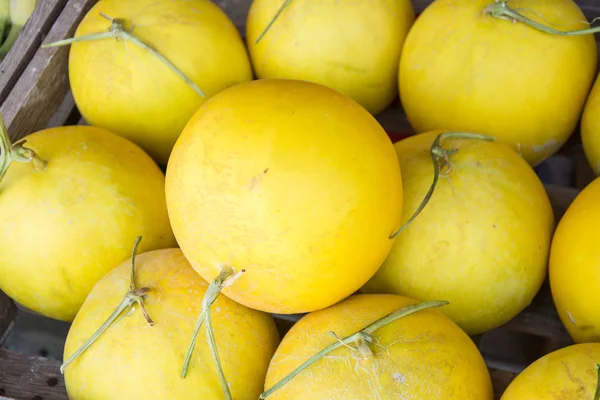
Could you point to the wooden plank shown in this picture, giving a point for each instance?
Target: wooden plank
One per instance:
(44, 84)
(500, 380)
(30, 378)
(237, 10)
(27, 43)
(7, 314)
(541, 322)
(66, 113)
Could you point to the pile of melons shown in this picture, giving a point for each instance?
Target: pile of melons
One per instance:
(223, 179)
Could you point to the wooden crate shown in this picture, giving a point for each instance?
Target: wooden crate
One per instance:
(34, 94)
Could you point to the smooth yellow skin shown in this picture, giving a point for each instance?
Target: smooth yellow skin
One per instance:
(462, 70)
(590, 128)
(575, 266)
(424, 356)
(132, 360)
(126, 89)
(291, 181)
(481, 242)
(351, 46)
(64, 227)
(564, 374)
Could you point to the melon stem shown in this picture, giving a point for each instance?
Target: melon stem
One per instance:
(440, 158)
(500, 9)
(597, 395)
(117, 31)
(362, 337)
(226, 278)
(134, 296)
(285, 4)
(16, 152)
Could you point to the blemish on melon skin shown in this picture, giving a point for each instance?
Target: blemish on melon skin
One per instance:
(256, 180)
(398, 377)
(550, 144)
(571, 318)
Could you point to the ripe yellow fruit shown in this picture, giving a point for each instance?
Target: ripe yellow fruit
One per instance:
(567, 373)
(132, 360)
(590, 128)
(422, 356)
(574, 261)
(126, 89)
(351, 46)
(66, 226)
(481, 242)
(464, 70)
(292, 181)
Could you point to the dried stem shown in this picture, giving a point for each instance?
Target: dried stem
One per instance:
(597, 394)
(226, 278)
(439, 155)
(117, 31)
(285, 4)
(500, 9)
(16, 152)
(132, 297)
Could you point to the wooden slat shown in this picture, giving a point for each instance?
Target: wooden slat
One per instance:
(27, 43)
(7, 313)
(44, 84)
(541, 319)
(65, 114)
(30, 378)
(501, 379)
(237, 10)
(561, 198)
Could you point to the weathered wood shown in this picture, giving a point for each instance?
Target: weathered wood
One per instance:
(44, 84)
(7, 313)
(27, 43)
(237, 10)
(561, 198)
(30, 378)
(541, 319)
(500, 380)
(65, 114)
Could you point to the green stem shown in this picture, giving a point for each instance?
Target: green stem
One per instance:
(15, 152)
(212, 344)
(5, 149)
(438, 153)
(226, 278)
(597, 395)
(285, 4)
(132, 297)
(132, 269)
(364, 335)
(117, 30)
(500, 9)
(125, 304)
